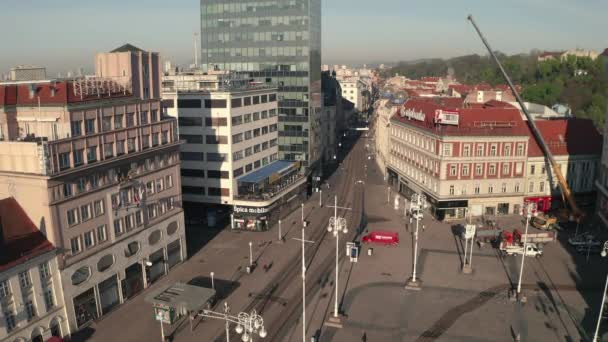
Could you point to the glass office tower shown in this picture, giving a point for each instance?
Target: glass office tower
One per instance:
(273, 41)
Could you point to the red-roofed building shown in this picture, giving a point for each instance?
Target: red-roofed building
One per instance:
(485, 159)
(547, 55)
(464, 160)
(576, 146)
(31, 296)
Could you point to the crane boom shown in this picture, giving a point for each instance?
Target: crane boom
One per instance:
(563, 184)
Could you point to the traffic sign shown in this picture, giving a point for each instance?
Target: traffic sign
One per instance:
(469, 232)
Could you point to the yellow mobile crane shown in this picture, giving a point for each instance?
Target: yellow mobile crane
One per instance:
(576, 213)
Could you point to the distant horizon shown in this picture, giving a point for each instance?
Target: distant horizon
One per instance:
(66, 35)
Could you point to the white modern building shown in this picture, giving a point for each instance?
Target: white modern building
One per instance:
(230, 129)
(31, 297)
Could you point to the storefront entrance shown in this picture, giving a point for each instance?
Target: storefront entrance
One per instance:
(133, 282)
(85, 307)
(503, 208)
(108, 294)
(174, 253)
(157, 269)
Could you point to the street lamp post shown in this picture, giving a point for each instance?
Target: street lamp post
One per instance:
(599, 319)
(530, 209)
(302, 212)
(248, 324)
(280, 234)
(336, 226)
(250, 254)
(417, 205)
(212, 282)
(304, 241)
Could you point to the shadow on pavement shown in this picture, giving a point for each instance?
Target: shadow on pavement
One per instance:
(223, 287)
(82, 335)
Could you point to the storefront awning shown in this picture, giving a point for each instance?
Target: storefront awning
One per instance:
(266, 172)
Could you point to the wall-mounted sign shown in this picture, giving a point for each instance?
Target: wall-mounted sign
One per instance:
(445, 117)
(412, 114)
(251, 210)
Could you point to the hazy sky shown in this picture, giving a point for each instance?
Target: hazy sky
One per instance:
(65, 34)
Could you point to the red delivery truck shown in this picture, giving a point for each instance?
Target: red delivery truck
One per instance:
(381, 238)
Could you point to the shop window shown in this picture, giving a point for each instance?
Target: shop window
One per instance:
(81, 275)
(155, 237)
(105, 262)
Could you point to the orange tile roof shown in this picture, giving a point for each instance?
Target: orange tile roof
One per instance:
(21, 239)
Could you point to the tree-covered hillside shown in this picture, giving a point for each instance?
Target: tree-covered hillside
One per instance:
(580, 83)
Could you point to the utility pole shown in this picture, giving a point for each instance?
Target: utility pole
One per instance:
(304, 242)
(530, 209)
(417, 205)
(336, 226)
(599, 319)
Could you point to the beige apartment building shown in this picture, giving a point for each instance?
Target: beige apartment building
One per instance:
(230, 156)
(96, 168)
(31, 296)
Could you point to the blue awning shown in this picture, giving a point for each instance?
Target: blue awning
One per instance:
(259, 175)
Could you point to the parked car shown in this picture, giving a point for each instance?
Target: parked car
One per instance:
(531, 250)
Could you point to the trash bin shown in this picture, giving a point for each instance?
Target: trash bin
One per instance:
(370, 251)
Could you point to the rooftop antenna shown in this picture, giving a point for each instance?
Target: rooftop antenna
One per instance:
(195, 50)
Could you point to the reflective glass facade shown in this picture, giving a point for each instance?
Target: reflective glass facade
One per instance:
(274, 41)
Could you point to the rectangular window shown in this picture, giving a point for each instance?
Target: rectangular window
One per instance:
(129, 224)
(447, 150)
(238, 155)
(256, 100)
(516, 187)
(491, 189)
(64, 161)
(192, 139)
(92, 154)
(216, 103)
(108, 150)
(479, 152)
(541, 187)
(477, 189)
(150, 187)
(49, 299)
(543, 170)
(216, 122)
(78, 157)
(453, 170)
(520, 150)
(118, 227)
(257, 148)
(492, 169)
(532, 169)
(89, 126)
(247, 101)
(75, 245)
(451, 189)
(118, 121)
(45, 270)
(131, 145)
(139, 218)
(164, 137)
(72, 217)
(247, 118)
(168, 181)
(120, 147)
(194, 156)
(237, 138)
(189, 103)
(30, 310)
(143, 117)
(506, 169)
(478, 170)
(216, 157)
(264, 98)
(88, 239)
(256, 132)
(106, 124)
(507, 150)
(145, 141)
(130, 119)
(493, 150)
(154, 115)
(248, 135)
(85, 212)
(154, 139)
(216, 174)
(9, 318)
(465, 170)
(256, 116)
(531, 187)
(190, 121)
(193, 190)
(237, 172)
(24, 280)
(5, 289)
(236, 103)
(237, 120)
(264, 114)
(272, 97)
(102, 234)
(504, 187)
(76, 128)
(466, 151)
(216, 139)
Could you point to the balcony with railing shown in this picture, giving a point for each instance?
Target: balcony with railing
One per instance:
(270, 181)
